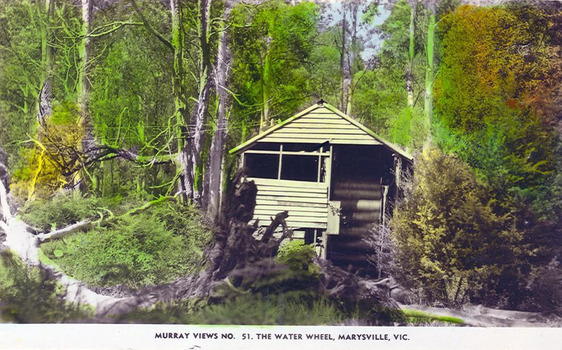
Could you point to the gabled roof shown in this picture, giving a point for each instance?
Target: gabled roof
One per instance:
(319, 123)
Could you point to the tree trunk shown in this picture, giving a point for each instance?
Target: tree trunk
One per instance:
(200, 117)
(351, 56)
(214, 173)
(83, 85)
(345, 73)
(47, 58)
(185, 182)
(265, 89)
(429, 75)
(180, 118)
(411, 55)
(266, 80)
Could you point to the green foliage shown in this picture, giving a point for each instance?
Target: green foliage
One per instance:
(130, 94)
(130, 102)
(250, 309)
(492, 95)
(61, 211)
(272, 295)
(31, 295)
(171, 312)
(153, 247)
(294, 272)
(450, 243)
(380, 98)
(272, 310)
(65, 114)
(55, 152)
(20, 81)
(26, 33)
(495, 108)
(420, 317)
(485, 91)
(263, 309)
(271, 44)
(297, 274)
(325, 72)
(298, 256)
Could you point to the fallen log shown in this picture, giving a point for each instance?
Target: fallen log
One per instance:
(77, 227)
(87, 224)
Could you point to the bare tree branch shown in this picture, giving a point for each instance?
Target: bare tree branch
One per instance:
(150, 28)
(101, 31)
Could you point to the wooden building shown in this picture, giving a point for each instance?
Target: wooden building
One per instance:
(335, 177)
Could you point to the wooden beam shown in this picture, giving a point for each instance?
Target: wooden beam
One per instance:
(329, 171)
(296, 199)
(291, 153)
(317, 129)
(292, 190)
(294, 224)
(319, 167)
(335, 141)
(297, 209)
(288, 183)
(265, 218)
(280, 161)
(303, 206)
(294, 193)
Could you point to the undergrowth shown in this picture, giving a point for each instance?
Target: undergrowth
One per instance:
(250, 309)
(31, 295)
(283, 291)
(154, 247)
(419, 317)
(258, 309)
(62, 210)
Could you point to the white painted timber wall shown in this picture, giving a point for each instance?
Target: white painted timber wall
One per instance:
(318, 126)
(306, 202)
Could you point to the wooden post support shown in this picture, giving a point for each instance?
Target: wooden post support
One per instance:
(280, 162)
(397, 174)
(334, 217)
(324, 250)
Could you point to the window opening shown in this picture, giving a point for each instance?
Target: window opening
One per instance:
(264, 166)
(288, 162)
(299, 168)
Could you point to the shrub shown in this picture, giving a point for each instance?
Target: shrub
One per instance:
(154, 247)
(450, 243)
(60, 211)
(545, 293)
(250, 309)
(298, 257)
(31, 295)
(258, 309)
(297, 274)
(39, 173)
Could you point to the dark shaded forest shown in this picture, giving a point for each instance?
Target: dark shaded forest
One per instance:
(116, 117)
